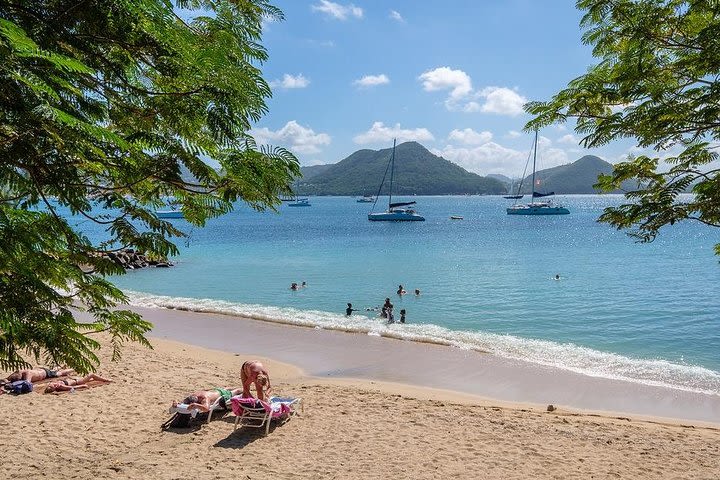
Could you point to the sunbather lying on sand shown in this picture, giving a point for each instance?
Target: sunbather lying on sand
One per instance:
(202, 400)
(37, 374)
(72, 384)
(254, 372)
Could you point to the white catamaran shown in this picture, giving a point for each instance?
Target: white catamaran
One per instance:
(396, 212)
(535, 208)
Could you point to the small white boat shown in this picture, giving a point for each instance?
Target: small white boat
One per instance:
(169, 214)
(366, 199)
(300, 202)
(456, 217)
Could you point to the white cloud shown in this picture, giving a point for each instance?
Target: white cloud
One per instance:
(543, 143)
(487, 158)
(462, 97)
(379, 133)
(293, 136)
(513, 134)
(502, 101)
(372, 80)
(445, 78)
(569, 139)
(337, 11)
(491, 157)
(469, 136)
(396, 16)
(289, 81)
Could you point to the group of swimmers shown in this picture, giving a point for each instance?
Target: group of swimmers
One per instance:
(386, 311)
(251, 373)
(294, 286)
(401, 291)
(39, 374)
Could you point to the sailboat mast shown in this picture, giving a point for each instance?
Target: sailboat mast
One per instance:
(392, 171)
(532, 187)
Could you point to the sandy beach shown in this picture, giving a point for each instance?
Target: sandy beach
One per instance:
(350, 428)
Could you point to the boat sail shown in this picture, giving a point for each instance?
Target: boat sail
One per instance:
(299, 202)
(395, 211)
(536, 208)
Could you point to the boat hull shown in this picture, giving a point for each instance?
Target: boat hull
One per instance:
(300, 204)
(395, 217)
(537, 210)
(169, 214)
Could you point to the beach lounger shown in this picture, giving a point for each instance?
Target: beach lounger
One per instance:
(183, 409)
(250, 412)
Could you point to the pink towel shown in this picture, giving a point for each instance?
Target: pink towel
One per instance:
(278, 409)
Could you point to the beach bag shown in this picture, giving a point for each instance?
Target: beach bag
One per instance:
(178, 420)
(19, 387)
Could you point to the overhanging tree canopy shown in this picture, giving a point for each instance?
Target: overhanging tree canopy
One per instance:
(102, 105)
(657, 81)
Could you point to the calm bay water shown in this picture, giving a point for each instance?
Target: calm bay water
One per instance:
(648, 313)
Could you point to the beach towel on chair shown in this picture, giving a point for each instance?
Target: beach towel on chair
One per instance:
(277, 407)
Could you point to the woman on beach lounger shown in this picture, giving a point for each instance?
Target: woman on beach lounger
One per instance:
(254, 372)
(72, 384)
(202, 399)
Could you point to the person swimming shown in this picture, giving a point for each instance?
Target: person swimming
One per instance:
(401, 290)
(417, 292)
(293, 286)
(557, 276)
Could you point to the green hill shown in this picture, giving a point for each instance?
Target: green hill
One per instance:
(417, 172)
(313, 171)
(576, 177)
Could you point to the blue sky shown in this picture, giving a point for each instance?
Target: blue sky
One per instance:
(451, 75)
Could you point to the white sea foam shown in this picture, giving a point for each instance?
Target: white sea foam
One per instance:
(566, 356)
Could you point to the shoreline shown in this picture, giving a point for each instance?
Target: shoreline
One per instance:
(478, 375)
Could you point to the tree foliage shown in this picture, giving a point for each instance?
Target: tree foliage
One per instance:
(657, 82)
(102, 105)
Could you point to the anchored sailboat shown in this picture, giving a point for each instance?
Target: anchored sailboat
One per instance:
(299, 202)
(536, 208)
(396, 211)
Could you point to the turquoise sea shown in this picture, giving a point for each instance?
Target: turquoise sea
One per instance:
(648, 313)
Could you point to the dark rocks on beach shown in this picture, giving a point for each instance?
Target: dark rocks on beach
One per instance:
(129, 259)
(551, 408)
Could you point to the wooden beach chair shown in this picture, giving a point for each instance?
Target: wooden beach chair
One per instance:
(253, 413)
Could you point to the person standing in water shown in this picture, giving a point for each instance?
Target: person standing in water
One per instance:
(402, 316)
(386, 308)
(349, 309)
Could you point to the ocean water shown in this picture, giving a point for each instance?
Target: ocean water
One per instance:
(648, 313)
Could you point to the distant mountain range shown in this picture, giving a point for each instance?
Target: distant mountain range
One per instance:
(576, 177)
(419, 172)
